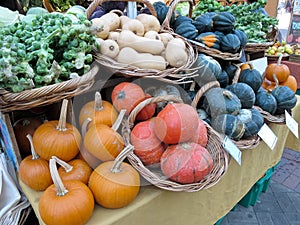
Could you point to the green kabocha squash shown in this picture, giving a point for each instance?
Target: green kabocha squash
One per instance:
(161, 10)
(223, 79)
(229, 125)
(187, 30)
(181, 19)
(245, 115)
(224, 22)
(254, 125)
(266, 101)
(230, 70)
(242, 37)
(285, 97)
(230, 43)
(210, 39)
(204, 22)
(221, 101)
(244, 92)
(208, 69)
(252, 77)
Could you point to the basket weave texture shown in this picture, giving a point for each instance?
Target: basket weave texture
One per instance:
(243, 144)
(170, 75)
(154, 175)
(46, 95)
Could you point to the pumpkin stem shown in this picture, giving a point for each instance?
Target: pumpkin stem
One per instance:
(98, 102)
(275, 79)
(61, 126)
(85, 126)
(116, 168)
(227, 94)
(118, 121)
(192, 87)
(279, 60)
(60, 188)
(33, 152)
(64, 164)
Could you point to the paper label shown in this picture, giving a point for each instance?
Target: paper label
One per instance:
(268, 136)
(291, 124)
(232, 149)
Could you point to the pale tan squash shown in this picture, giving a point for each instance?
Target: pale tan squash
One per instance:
(109, 48)
(113, 35)
(135, 26)
(150, 22)
(165, 37)
(123, 20)
(141, 44)
(112, 19)
(152, 35)
(175, 54)
(130, 56)
(101, 26)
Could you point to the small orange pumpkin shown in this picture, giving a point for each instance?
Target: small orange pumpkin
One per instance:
(115, 184)
(245, 66)
(291, 82)
(277, 71)
(127, 95)
(104, 142)
(76, 169)
(69, 202)
(34, 171)
(100, 111)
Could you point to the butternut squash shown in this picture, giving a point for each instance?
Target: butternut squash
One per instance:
(135, 26)
(175, 54)
(141, 44)
(152, 35)
(109, 48)
(113, 35)
(123, 20)
(130, 56)
(112, 19)
(165, 37)
(101, 26)
(179, 43)
(150, 22)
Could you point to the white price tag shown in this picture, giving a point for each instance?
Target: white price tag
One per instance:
(231, 148)
(268, 136)
(291, 124)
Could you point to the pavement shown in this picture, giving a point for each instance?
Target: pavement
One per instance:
(280, 204)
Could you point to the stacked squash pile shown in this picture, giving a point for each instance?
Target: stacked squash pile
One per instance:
(138, 42)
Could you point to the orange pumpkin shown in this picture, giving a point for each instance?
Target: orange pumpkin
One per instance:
(175, 123)
(100, 111)
(291, 82)
(76, 169)
(277, 71)
(104, 142)
(200, 136)
(147, 112)
(34, 171)
(127, 95)
(57, 137)
(62, 202)
(115, 184)
(245, 66)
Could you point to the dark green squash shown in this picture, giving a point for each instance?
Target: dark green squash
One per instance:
(230, 70)
(210, 39)
(223, 79)
(244, 92)
(187, 30)
(285, 97)
(242, 37)
(208, 69)
(161, 10)
(252, 77)
(230, 43)
(204, 22)
(221, 101)
(229, 125)
(181, 19)
(266, 101)
(252, 127)
(224, 22)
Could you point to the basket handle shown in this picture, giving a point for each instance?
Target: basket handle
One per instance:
(96, 3)
(172, 7)
(202, 90)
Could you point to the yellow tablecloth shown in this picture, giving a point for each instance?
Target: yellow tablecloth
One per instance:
(160, 207)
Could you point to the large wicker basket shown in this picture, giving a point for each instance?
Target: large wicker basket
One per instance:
(199, 47)
(46, 95)
(246, 143)
(175, 75)
(154, 175)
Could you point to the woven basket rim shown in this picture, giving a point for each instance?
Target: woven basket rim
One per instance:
(46, 95)
(214, 146)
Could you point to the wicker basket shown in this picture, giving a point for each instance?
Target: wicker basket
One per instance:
(173, 75)
(246, 143)
(199, 47)
(48, 94)
(154, 175)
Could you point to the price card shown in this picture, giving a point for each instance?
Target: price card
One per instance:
(291, 124)
(231, 148)
(268, 136)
